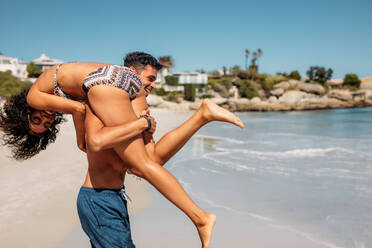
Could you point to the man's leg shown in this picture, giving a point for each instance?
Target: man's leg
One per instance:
(113, 107)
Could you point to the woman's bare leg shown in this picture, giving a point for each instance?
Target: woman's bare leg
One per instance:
(113, 107)
(174, 140)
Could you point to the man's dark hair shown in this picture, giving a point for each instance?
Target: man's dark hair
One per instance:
(140, 59)
(15, 126)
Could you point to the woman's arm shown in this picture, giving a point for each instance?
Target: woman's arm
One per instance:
(100, 137)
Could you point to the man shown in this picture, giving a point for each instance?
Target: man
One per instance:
(102, 202)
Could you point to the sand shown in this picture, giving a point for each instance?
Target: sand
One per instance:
(38, 204)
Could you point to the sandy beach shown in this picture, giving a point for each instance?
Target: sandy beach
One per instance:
(38, 204)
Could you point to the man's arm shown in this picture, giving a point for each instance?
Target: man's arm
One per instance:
(100, 137)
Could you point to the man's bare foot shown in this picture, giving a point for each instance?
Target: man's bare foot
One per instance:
(213, 112)
(205, 231)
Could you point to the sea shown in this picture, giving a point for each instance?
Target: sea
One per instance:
(308, 174)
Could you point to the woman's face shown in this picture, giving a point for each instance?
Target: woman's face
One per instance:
(40, 121)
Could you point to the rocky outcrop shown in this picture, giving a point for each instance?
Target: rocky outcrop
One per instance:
(311, 88)
(277, 92)
(154, 100)
(366, 85)
(343, 95)
(283, 85)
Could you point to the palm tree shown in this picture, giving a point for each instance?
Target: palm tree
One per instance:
(247, 52)
(166, 61)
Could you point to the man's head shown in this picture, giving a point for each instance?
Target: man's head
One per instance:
(146, 67)
(27, 131)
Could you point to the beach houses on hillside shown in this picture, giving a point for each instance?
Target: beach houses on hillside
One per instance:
(44, 62)
(200, 79)
(19, 68)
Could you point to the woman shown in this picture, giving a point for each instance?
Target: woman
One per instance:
(109, 90)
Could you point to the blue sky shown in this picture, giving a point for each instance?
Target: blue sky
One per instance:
(293, 35)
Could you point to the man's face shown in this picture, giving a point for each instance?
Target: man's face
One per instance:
(40, 121)
(148, 77)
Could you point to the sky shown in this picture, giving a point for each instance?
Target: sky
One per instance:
(293, 35)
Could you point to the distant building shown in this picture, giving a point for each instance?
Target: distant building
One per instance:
(44, 62)
(200, 79)
(17, 67)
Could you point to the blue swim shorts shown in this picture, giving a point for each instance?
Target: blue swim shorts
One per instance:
(104, 217)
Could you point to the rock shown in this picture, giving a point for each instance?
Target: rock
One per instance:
(256, 100)
(368, 95)
(240, 104)
(334, 82)
(273, 99)
(184, 106)
(293, 83)
(219, 101)
(311, 88)
(283, 85)
(195, 105)
(261, 93)
(343, 95)
(366, 84)
(277, 92)
(154, 100)
(292, 96)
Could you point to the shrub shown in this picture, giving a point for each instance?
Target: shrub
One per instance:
(11, 85)
(215, 74)
(247, 88)
(352, 80)
(190, 92)
(159, 91)
(294, 75)
(171, 80)
(33, 70)
(206, 96)
(225, 82)
(215, 85)
(173, 97)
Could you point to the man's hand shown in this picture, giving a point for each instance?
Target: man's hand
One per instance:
(146, 113)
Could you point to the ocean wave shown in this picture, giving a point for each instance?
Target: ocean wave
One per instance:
(218, 138)
(296, 153)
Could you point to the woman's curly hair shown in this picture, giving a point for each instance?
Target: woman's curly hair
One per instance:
(15, 126)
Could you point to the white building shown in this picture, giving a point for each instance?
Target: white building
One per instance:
(18, 68)
(197, 78)
(44, 62)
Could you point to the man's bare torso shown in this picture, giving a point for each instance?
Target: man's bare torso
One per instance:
(106, 170)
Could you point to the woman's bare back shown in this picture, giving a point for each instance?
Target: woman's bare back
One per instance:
(70, 78)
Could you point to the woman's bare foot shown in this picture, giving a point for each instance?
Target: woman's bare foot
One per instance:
(213, 112)
(205, 231)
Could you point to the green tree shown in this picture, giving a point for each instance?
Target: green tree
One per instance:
(319, 74)
(171, 80)
(190, 92)
(294, 75)
(352, 80)
(33, 70)
(224, 69)
(167, 61)
(247, 52)
(215, 74)
(235, 70)
(256, 55)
